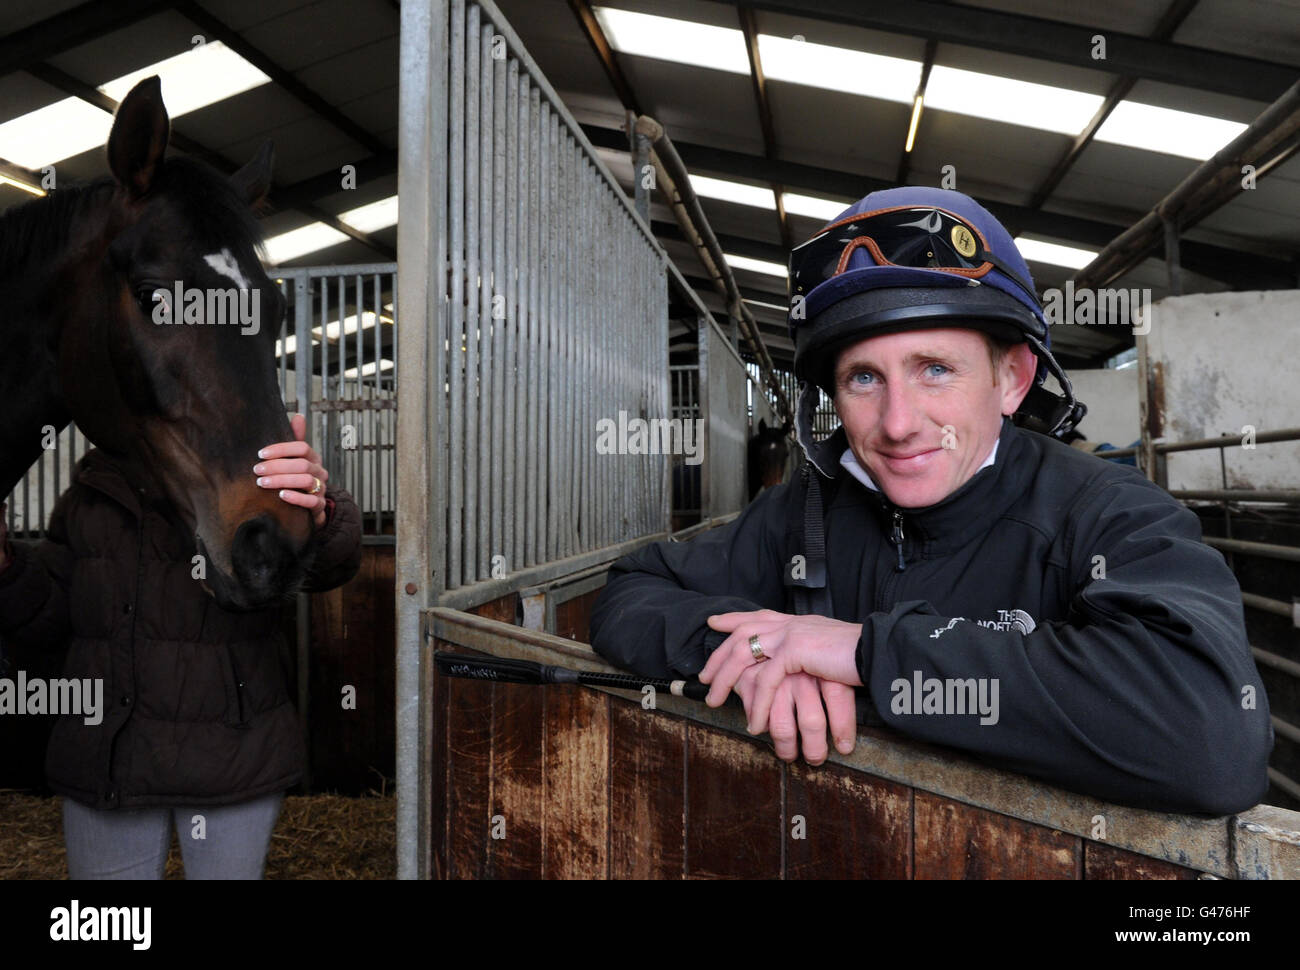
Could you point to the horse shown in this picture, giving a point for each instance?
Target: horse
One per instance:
(766, 456)
(114, 305)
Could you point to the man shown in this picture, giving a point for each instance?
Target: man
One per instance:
(983, 586)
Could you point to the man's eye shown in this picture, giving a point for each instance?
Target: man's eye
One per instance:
(936, 370)
(863, 378)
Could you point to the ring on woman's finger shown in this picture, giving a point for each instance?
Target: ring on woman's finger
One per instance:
(756, 649)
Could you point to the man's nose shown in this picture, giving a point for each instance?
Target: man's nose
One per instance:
(901, 414)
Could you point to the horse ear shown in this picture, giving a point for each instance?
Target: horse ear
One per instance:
(253, 181)
(138, 141)
(762, 425)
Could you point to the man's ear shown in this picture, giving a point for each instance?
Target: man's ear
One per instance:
(1016, 375)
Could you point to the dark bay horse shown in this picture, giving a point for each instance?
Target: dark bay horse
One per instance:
(766, 455)
(182, 396)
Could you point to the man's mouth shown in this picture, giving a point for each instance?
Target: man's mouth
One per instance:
(910, 461)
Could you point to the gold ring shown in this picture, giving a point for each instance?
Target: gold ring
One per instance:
(757, 650)
(316, 487)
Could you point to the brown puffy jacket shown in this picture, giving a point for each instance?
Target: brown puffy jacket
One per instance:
(195, 705)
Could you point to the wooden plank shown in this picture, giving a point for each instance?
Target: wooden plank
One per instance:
(504, 609)
(353, 645)
(647, 770)
(517, 718)
(381, 631)
(438, 765)
(853, 825)
(1102, 861)
(573, 617)
(575, 804)
(733, 807)
(338, 736)
(957, 841)
(469, 754)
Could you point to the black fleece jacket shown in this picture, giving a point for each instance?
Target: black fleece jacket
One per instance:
(1115, 636)
(197, 705)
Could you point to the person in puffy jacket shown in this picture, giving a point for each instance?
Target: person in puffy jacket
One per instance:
(197, 726)
(967, 580)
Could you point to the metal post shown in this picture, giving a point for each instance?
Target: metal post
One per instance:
(640, 146)
(302, 389)
(421, 496)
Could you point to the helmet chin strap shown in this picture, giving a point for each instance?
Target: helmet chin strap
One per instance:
(803, 425)
(1058, 414)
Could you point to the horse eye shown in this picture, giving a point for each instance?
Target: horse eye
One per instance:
(144, 299)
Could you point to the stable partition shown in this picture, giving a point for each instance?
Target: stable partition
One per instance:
(574, 782)
(724, 404)
(533, 365)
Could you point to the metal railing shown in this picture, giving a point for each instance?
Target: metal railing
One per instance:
(555, 326)
(687, 500)
(346, 384)
(31, 502)
(1150, 456)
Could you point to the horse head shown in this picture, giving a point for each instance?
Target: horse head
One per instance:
(166, 350)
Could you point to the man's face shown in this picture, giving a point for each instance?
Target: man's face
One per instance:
(922, 411)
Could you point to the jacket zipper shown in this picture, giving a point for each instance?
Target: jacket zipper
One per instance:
(885, 592)
(239, 689)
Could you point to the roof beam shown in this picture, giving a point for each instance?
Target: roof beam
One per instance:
(605, 54)
(282, 78)
(308, 190)
(79, 89)
(1173, 17)
(750, 29)
(1245, 270)
(63, 31)
(1061, 43)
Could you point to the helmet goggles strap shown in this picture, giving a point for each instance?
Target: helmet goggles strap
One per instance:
(920, 237)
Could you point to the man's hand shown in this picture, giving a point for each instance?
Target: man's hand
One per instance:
(816, 645)
(797, 711)
(294, 467)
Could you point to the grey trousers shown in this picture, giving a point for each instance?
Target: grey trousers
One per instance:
(217, 841)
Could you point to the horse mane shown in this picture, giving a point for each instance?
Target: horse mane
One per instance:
(36, 231)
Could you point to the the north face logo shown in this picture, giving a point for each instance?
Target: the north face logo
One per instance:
(1017, 620)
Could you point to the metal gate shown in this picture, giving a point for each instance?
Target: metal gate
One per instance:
(536, 311)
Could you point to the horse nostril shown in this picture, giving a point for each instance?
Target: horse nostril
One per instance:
(263, 562)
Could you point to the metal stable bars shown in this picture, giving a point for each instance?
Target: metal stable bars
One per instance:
(31, 502)
(536, 311)
(555, 327)
(724, 396)
(346, 381)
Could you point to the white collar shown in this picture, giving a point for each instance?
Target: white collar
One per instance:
(850, 461)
